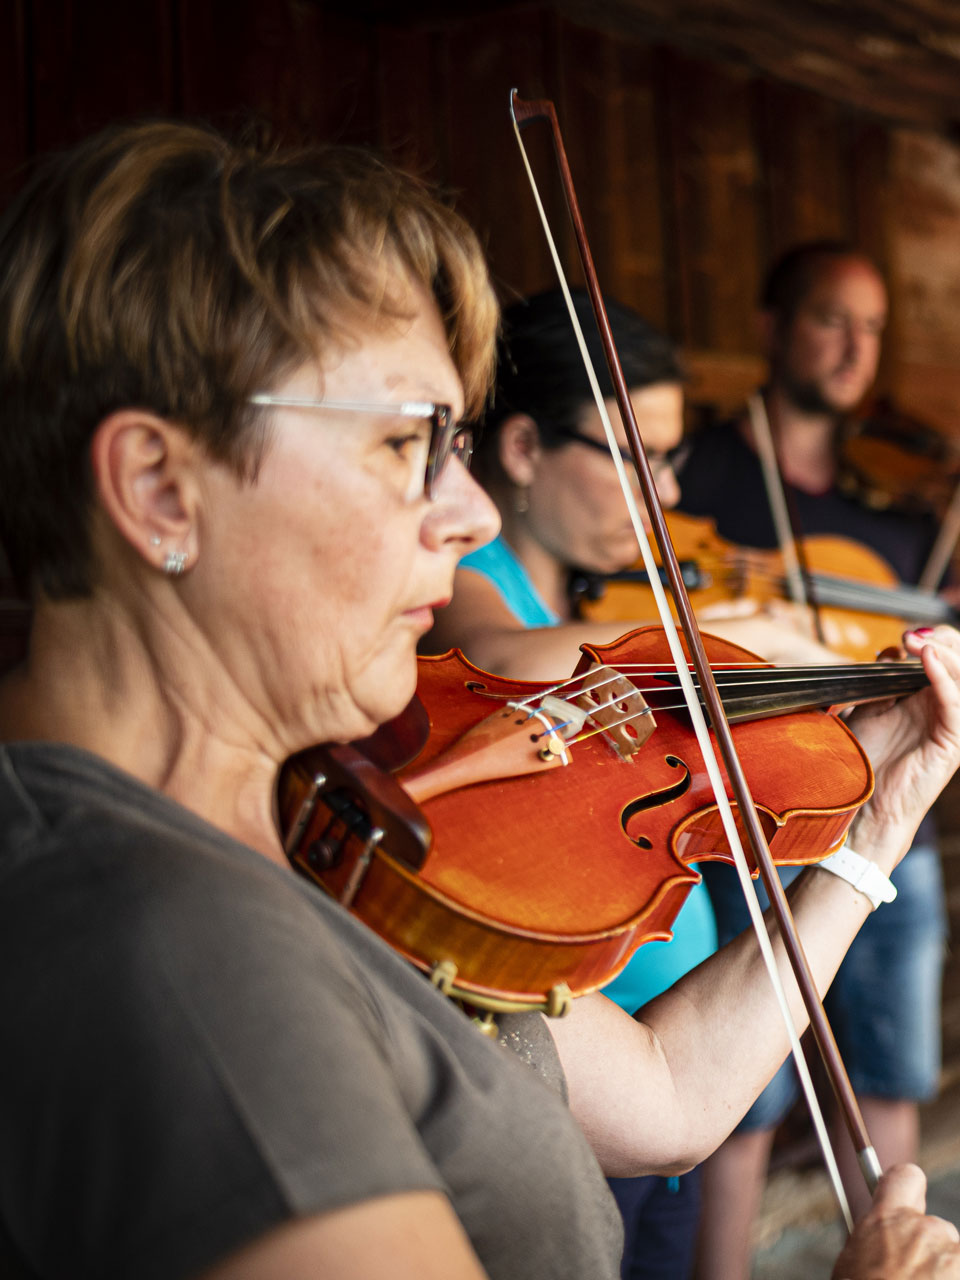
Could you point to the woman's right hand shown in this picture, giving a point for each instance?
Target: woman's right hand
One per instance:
(897, 1238)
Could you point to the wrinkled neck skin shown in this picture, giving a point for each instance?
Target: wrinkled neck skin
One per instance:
(136, 682)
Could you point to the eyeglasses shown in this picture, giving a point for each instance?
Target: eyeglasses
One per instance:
(448, 438)
(665, 460)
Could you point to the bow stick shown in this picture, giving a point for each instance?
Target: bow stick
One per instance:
(522, 111)
(944, 547)
(797, 575)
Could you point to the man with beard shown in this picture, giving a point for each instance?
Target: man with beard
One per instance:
(824, 308)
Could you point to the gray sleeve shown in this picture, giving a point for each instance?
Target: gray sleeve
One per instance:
(527, 1036)
(209, 1068)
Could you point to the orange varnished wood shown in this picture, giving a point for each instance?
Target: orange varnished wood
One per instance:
(537, 881)
(895, 460)
(734, 574)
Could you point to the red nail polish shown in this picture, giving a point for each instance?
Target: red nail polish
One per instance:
(923, 631)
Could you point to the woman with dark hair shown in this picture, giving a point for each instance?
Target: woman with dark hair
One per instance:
(543, 458)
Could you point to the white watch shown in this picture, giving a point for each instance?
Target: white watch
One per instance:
(861, 873)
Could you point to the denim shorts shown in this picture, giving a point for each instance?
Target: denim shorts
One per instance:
(884, 1004)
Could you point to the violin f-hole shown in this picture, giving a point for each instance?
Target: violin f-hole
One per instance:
(655, 800)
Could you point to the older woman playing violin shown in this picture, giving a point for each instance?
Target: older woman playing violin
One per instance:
(232, 480)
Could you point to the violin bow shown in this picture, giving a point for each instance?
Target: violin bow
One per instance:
(944, 546)
(524, 112)
(797, 574)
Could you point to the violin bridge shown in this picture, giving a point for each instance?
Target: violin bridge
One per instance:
(617, 707)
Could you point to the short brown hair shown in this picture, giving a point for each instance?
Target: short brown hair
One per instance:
(163, 267)
(795, 272)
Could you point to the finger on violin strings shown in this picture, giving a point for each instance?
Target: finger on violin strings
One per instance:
(945, 651)
(945, 636)
(944, 676)
(943, 644)
(892, 653)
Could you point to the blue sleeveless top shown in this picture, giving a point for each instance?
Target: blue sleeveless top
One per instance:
(656, 965)
(497, 563)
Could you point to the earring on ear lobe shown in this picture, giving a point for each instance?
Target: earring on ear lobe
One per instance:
(174, 563)
(155, 539)
(521, 501)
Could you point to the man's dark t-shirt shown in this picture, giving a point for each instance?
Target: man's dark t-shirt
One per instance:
(722, 478)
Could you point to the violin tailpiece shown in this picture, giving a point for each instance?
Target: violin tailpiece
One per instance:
(514, 741)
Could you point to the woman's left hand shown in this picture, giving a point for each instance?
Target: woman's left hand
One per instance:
(914, 747)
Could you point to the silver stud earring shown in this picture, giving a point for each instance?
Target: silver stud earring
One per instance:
(174, 563)
(155, 539)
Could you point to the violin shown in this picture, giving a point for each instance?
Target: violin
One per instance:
(891, 460)
(535, 835)
(862, 605)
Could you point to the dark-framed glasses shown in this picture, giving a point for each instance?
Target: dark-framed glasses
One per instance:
(448, 437)
(660, 460)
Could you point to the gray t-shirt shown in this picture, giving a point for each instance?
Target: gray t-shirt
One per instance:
(198, 1045)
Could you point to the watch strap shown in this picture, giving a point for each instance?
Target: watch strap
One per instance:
(861, 873)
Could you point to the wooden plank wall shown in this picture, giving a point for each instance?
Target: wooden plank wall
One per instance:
(925, 242)
(692, 173)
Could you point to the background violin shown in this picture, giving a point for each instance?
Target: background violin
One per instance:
(863, 607)
(543, 832)
(890, 459)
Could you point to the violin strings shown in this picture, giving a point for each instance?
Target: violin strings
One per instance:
(815, 671)
(646, 711)
(811, 669)
(624, 696)
(728, 687)
(773, 675)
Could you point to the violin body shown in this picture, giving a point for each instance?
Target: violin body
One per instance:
(862, 606)
(531, 889)
(892, 460)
